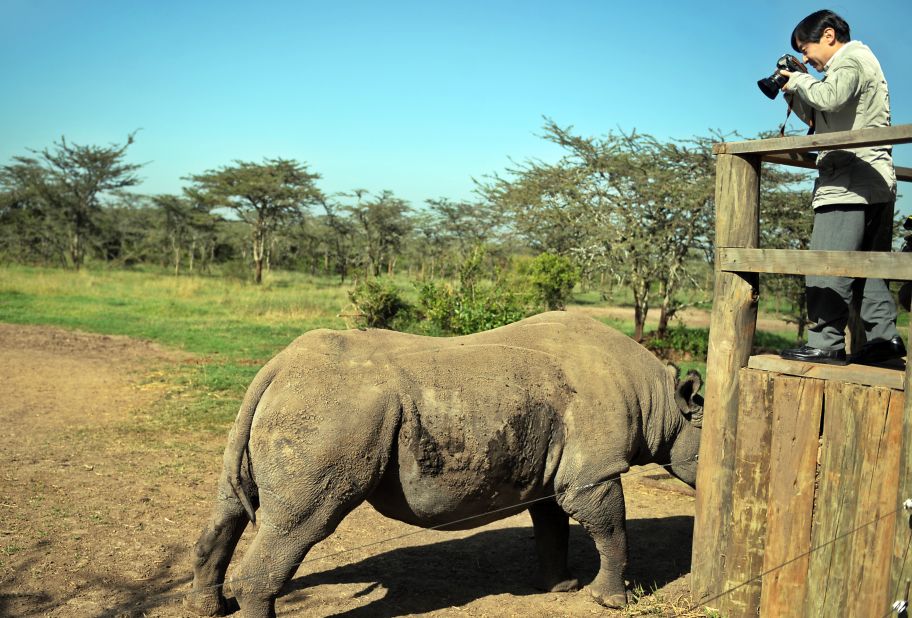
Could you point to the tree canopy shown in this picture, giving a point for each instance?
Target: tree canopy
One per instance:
(63, 187)
(627, 204)
(263, 195)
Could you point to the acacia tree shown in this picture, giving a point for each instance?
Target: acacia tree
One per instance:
(187, 226)
(263, 195)
(630, 205)
(341, 238)
(68, 181)
(384, 224)
(25, 230)
(449, 231)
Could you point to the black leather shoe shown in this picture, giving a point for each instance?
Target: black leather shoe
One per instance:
(815, 355)
(879, 351)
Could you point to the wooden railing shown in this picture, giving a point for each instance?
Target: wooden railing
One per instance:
(739, 260)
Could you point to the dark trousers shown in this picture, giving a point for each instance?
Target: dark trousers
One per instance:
(850, 227)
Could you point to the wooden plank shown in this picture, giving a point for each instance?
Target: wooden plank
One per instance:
(750, 485)
(899, 134)
(887, 377)
(732, 326)
(835, 509)
(901, 568)
(803, 160)
(797, 408)
(871, 264)
(877, 468)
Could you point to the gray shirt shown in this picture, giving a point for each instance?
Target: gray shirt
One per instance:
(852, 95)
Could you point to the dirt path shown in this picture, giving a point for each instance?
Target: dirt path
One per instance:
(692, 318)
(99, 507)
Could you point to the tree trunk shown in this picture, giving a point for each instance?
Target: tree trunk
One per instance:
(258, 271)
(259, 249)
(76, 250)
(664, 316)
(666, 312)
(639, 322)
(640, 308)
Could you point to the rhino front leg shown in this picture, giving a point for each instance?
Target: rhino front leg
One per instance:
(552, 532)
(602, 514)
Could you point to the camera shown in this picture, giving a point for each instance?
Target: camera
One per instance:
(773, 84)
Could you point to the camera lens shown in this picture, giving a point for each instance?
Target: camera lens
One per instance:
(771, 85)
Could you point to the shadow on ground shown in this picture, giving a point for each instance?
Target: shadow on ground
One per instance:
(453, 573)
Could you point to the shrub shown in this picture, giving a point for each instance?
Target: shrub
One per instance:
(552, 279)
(379, 304)
(680, 342)
(461, 311)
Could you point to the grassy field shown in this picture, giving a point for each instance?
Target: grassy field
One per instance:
(230, 327)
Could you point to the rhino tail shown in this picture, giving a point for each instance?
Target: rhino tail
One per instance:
(234, 453)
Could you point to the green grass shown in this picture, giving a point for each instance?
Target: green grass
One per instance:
(232, 326)
(200, 315)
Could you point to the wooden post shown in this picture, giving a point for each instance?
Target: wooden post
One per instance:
(750, 489)
(797, 407)
(734, 319)
(901, 571)
(878, 442)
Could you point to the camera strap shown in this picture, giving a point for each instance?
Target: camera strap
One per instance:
(788, 113)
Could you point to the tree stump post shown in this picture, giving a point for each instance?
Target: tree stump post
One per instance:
(733, 322)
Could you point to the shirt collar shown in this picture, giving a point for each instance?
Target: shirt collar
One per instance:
(826, 67)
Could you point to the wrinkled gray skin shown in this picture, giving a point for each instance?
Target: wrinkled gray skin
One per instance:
(431, 431)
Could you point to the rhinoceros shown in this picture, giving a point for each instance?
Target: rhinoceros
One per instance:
(543, 414)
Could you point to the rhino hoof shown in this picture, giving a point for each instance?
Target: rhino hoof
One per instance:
(210, 605)
(612, 601)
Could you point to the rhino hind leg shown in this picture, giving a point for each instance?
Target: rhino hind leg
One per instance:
(283, 538)
(212, 554)
(603, 517)
(269, 564)
(552, 533)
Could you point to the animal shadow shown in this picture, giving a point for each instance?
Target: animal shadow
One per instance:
(451, 573)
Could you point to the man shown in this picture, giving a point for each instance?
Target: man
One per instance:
(855, 189)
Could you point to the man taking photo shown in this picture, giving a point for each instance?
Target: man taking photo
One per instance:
(855, 189)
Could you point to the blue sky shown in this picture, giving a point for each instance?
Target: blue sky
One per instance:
(414, 97)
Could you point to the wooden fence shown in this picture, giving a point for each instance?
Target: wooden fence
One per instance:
(800, 464)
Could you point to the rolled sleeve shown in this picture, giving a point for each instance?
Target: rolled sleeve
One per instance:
(830, 94)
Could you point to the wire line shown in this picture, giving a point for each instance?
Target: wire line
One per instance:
(459, 521)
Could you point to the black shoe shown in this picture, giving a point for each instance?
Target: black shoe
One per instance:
(815, 355)
(879, 351)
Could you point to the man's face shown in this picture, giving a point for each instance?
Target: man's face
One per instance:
(819, 53)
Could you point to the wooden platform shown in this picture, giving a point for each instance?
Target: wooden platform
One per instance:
(889, 376)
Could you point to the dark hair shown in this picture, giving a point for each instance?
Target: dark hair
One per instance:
(810, 29)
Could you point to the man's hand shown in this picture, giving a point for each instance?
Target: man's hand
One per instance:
(788, 74)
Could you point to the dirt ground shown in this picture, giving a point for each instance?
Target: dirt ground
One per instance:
(98, 510)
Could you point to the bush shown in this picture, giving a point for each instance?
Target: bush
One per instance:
(679, 343)
(464, 311)
(552, 279)
(379, 304)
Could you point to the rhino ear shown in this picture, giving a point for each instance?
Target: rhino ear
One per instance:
(688, 398)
